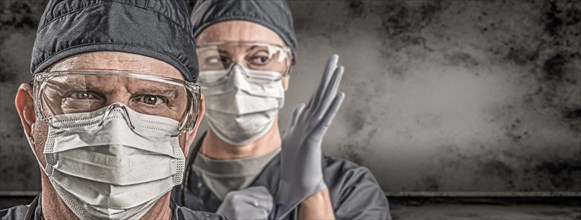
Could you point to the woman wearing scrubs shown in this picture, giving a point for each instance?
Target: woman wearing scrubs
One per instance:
(244, 167)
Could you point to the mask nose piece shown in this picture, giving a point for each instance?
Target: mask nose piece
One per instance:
(238, 74)
(124, 112)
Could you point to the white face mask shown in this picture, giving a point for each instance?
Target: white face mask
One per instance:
(109, 170)
(239, 111)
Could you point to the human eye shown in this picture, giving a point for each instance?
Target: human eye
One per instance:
(151, 100)
(260, 55)
(218, 59)
(82, 95)
(157, 99)
(212, 60)
(81, 101)
(260, 60)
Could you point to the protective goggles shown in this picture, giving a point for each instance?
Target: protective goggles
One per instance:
(263, 62)
(84, 91)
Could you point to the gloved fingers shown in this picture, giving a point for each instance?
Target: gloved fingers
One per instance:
(262, 199)
(250, 203)
(262, 203)
(329, 116)
(295, 115)
(259, 192)
(330, 92)
(327, 76)
(329, 70)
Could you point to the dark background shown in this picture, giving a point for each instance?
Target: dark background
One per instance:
(444, 97)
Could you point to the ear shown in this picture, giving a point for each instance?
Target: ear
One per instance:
(25, 107)
(191, 135)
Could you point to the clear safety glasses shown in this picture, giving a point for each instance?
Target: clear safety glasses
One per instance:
(263, 62)
(57, 93)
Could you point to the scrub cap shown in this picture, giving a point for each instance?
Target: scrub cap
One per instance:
(159, 29)
(273, 14)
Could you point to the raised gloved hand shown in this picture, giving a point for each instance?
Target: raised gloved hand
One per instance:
(250, 203)
(301, 173)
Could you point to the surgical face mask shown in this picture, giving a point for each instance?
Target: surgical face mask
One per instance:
(113, 163)
(243, 106)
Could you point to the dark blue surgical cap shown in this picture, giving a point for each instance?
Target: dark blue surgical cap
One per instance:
(159, 29)
(273, 14)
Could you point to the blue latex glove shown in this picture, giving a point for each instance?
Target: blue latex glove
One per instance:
(301, 174)
(250, 203)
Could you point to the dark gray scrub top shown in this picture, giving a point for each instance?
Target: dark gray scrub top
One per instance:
(354, 191)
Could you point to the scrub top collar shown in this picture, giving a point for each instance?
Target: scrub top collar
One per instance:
(34, 211)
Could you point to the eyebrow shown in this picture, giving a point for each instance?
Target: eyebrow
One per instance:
(89, 86)
(252, 47)
(172, 92)
(246, 50)
(220, 51)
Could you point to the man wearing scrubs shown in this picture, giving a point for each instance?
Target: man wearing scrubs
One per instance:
(111, 110)
(243, 167)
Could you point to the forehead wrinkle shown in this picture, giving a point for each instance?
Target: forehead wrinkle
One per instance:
(136, 86)
(108, 84)
(72, 63)
(118, 61)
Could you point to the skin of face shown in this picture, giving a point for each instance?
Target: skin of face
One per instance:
(37, 130)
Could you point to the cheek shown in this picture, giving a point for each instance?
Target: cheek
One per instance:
(284, 82)
(39, 135)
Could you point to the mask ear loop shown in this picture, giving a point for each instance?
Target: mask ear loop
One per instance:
(36, 156)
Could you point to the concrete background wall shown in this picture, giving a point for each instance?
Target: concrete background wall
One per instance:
(442, 95)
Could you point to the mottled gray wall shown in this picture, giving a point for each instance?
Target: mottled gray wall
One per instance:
(451, 95)
(18, 20)
(442, 96)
